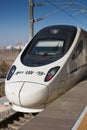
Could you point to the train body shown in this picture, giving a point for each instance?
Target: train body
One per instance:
(52, 63)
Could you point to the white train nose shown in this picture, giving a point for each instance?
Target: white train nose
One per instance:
(12, 92)
(33, 94)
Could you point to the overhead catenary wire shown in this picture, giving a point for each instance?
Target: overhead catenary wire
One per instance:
(66, 4)
(63, 7)
(71, 3)
(80, 10)
(55, 11)
(50, 4)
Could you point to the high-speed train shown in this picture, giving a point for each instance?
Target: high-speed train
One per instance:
(52, 63)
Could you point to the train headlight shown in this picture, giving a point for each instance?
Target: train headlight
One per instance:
(11, 72)
(51, 73)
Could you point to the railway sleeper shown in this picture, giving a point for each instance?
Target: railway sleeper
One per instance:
(28, 116)
(18, 123)
(13, 127)
(23, 119)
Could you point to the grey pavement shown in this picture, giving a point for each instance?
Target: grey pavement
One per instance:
(64, 113)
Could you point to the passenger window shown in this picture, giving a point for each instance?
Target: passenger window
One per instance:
(78, 50)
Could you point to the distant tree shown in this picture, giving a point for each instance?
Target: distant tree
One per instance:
(4, 67)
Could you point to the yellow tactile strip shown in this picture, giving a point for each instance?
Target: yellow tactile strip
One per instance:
(83, 124)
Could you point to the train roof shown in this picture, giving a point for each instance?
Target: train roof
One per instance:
(56, 31)
(61, 32)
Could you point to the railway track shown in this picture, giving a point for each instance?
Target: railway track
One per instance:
(15, 120)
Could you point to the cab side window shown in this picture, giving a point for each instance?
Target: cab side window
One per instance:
(78, 50)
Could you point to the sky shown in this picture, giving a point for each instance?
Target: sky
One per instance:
(14, 17)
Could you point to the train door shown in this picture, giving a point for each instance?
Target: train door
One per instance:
(74, 67)
(71, 66)
(77, 59)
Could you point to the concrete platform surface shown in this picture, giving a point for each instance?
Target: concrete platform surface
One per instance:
(3, 100)
(63, 113)
(4, 104)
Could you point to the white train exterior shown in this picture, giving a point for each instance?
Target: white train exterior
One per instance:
(53, 62)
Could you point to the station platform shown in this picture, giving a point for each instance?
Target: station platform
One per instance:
(4, 104)
(69, 112)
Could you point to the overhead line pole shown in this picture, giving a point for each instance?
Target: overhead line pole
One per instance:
(31, 23)
(31, 14)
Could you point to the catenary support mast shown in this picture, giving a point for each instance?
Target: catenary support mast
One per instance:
(31, 15)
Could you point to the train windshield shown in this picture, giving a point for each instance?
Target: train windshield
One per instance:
(48, 47)
(43, 52)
